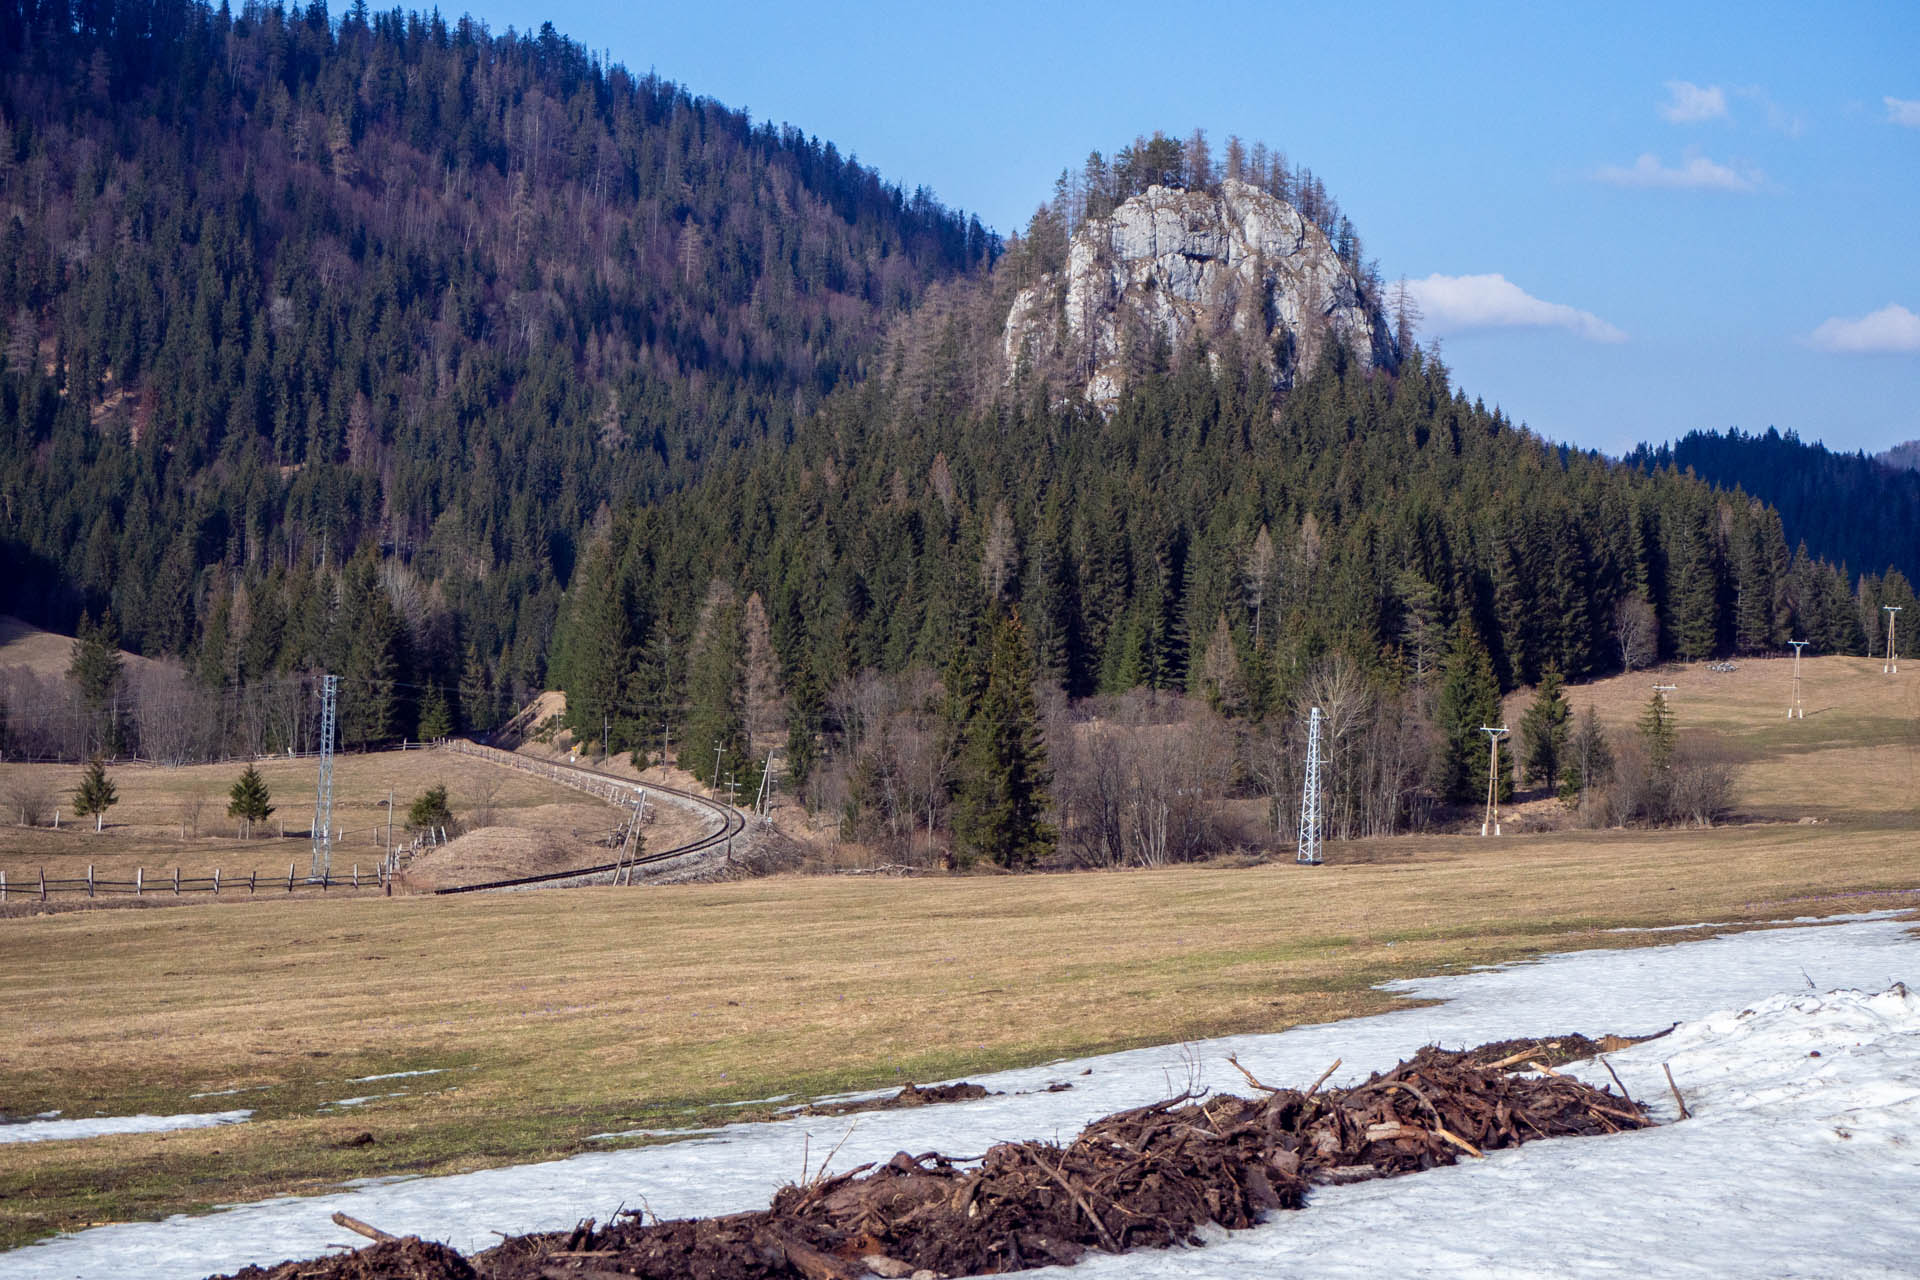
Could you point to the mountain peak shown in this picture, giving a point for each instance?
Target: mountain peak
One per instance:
(1170, 266)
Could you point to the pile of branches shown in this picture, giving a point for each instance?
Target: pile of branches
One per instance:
(1146, 1178)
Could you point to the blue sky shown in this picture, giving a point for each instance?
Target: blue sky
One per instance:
(1626, 221)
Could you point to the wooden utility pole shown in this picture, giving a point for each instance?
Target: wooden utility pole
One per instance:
(1892, 667)
(1490, 822)
(1795, 711)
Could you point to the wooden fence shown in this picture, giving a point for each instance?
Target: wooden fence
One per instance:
(378, 877)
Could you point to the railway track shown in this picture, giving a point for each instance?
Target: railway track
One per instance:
(731, 822)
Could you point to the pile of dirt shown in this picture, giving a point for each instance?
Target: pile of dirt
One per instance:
(1150, 1177)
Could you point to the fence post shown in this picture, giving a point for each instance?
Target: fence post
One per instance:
(216, 882)
(289, 877)
(3, 886)
(356, 875)
(250, 876)
(89, 879)
(43, 884)
(176, 882)
(139, 880)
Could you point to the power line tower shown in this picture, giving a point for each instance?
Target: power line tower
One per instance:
(1490, 821)
(1892, 667)
(323, 799)
(1309, 853)
(1796, 711)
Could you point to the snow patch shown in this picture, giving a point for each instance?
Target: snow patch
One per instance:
(103, 1126)
(1793, 1165)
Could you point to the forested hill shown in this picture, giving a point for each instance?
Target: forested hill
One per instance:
(1847, 507)
(275, 291)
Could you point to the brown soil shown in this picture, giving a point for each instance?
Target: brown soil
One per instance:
(1145, 1178)
(498, 853)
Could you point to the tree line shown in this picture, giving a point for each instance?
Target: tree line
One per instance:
(1378, 544)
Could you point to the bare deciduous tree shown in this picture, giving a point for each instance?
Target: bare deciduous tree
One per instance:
(765, 709)
(1262, 560)
(1637, 631)
(193, 802)
(998, 554)
(29, 798)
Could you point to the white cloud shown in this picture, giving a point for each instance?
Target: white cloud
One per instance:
(1779, 119)
(1694, 173)
(1892, 328)
(1691, 104)
(1904, 111)
(1453, 303)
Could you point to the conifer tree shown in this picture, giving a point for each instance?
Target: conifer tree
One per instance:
(476, 693)
(1657, 732)
(1545, 730)
(715, 743)
(1004, 778)
(1469, 698)
(429, 810)
(96, 675)
(436, 716)
(1589, 761)
(249, 800)
(95, 794)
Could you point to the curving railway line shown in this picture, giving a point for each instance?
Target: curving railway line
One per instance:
(730, 821)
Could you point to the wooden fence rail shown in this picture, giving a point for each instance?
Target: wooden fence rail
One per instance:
(43, 886)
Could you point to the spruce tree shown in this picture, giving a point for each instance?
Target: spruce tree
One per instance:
(715, 742)
(96, 675)
(95, 794)
(1469, 698)
(1004, 779)
(1589, 761)
(1544, 731)
(436, 716)
(429, 809)
(249, 799)
(1657, 732)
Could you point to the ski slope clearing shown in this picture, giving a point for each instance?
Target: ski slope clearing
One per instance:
(1792, 1163)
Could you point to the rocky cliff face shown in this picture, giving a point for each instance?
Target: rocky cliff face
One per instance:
(1173, 265)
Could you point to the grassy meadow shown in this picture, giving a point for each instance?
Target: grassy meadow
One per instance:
(160, 810)
(548, 1017)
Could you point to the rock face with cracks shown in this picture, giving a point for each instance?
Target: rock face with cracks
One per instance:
(1170, 266)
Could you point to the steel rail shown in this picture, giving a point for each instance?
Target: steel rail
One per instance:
(732, 823)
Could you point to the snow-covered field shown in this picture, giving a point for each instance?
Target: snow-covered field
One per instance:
(46, 1129)
(1802, 1158)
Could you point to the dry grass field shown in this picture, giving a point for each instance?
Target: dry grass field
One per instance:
(1854, 757)
(157, 804)
(548, 1017)
(47, 653)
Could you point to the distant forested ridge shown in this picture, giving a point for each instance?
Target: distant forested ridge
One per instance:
(1847, 507)
(277, 292)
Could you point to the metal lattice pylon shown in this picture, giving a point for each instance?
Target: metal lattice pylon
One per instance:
(323, 797)
(1309, 854)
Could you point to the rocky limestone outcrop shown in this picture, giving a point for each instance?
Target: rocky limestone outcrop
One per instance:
(1173, 265)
